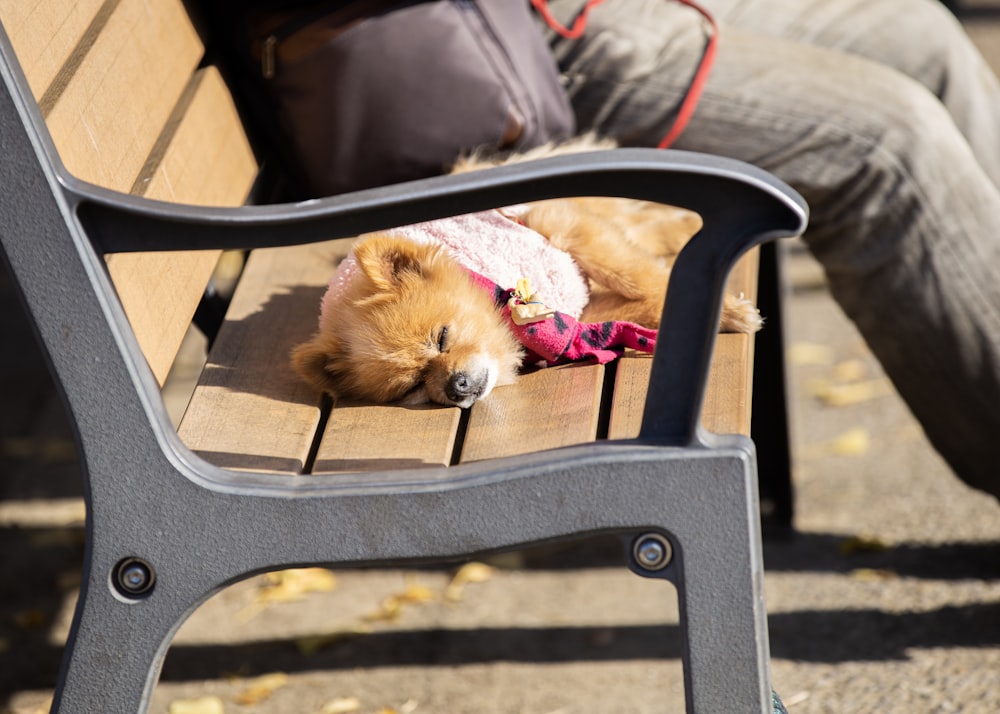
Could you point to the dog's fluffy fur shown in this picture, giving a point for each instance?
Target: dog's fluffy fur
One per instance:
(413, 328)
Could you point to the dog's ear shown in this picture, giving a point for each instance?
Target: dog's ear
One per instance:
(319, 363)
(387, 261)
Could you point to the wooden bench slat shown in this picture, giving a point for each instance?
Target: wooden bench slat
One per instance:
(727, 399)
(370, 438)
(545, 409)
(261, 416)
(207, 160)
(109, 88)
(631, 380)
(45, 33)
(727, 405)
(117, 101)
(160, 310)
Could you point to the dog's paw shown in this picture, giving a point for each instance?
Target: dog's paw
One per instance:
(740, 315)
(416, 397)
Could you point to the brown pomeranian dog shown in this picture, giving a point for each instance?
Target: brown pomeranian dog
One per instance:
(405, 322)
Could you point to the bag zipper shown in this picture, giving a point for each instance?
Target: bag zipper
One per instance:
(269, 46)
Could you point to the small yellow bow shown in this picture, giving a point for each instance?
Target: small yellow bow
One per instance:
(527, 307)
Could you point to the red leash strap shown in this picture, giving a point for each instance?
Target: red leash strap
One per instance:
(579, 24)
(697, 82)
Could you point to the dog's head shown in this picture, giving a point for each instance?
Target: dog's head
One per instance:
(411, 327)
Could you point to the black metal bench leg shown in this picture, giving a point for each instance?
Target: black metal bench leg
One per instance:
(769, 422)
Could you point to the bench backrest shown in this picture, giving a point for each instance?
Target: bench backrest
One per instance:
(129, 108)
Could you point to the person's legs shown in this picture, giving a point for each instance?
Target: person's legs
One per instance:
(920, 38)
(904, 220)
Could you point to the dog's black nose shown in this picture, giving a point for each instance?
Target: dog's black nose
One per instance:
(461, 387)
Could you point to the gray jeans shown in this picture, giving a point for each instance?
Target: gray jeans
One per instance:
(884, 116)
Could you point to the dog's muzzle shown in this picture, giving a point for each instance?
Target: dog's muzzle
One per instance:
(463, 389)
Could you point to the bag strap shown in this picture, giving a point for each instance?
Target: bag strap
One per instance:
(698, 82)
(579, 24)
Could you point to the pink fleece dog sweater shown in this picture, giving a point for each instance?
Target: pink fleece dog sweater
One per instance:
(499, 252)
(498, 247)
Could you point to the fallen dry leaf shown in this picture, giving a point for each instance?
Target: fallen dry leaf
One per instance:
(844, 395)
(392, 605)
(851, 370)
(315, 643)
(202, 705)
(388, 610)
(796, 698)
(343, 705)
(261, 688)
(409, 706)
(473, 572)
(30, 619)
(417, 593)
(294, 584)
(291, 585)
(853, 442)
(871, 575)
(862, 544)
(809, 353)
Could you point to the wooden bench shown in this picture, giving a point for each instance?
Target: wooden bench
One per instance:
(132, 110)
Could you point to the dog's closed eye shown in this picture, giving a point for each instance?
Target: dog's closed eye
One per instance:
(442, 339)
